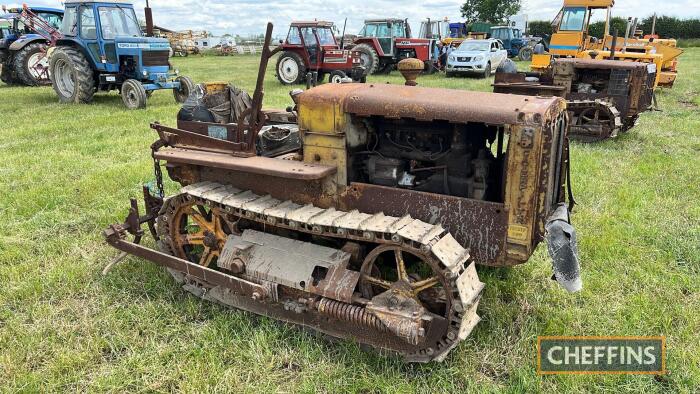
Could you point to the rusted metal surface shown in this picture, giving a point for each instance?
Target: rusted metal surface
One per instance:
(604, 97)
(292, 263)
(252, 120)
(255, 165)
(429, 104)
(199, 141)
(417, 335)
(481, 226)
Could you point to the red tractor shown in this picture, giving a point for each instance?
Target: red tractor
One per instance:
(384, 42)
(311, 47)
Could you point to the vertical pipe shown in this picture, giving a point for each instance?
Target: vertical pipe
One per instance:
(627, 34)
(149, 20)
(653, 25)
(607, 25)
(613, 43)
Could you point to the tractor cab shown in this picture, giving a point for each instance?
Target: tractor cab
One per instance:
(571, 26)
(317, 39)
(435, 29)
(511, 38)
(113, 40)
(311, 47)
(386, 31)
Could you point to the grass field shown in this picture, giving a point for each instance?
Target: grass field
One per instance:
(67, 171)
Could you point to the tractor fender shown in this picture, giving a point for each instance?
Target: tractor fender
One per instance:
(563, 249)
(25, 40)
(74, 43)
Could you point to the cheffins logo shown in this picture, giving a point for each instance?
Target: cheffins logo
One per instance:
(601, 355)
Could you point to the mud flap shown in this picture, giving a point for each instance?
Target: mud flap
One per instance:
(562, 246)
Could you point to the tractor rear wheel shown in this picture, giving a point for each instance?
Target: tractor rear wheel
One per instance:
(337, 76)
(186, 88)
(32, 65)
(290, 68)
(369, 59)
(71, 76)
(133, 94)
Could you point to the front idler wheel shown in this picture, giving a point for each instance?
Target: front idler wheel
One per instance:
(133, 94)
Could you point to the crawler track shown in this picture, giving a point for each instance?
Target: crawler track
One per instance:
(451, 292)
(594, 120)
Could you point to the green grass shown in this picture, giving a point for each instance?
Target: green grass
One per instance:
(67, 172)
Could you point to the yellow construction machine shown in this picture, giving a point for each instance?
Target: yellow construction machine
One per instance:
(571, 39)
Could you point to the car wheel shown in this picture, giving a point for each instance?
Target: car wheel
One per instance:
(487, 70)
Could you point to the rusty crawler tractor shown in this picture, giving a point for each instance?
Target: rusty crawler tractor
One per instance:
(371, 229)
(604, 97)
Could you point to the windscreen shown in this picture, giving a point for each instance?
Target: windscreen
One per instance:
(572, 19)
(118, 22)
(325, 36)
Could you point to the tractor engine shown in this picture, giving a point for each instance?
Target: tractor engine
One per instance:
(435, 157)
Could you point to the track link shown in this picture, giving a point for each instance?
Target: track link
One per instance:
(588, 125)
(453, 263)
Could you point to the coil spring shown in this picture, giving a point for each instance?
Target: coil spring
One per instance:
(350, 313)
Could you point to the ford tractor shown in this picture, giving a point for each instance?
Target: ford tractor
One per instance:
(25, 35)
(103, 49)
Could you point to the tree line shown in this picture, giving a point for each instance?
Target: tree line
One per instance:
(666, 27)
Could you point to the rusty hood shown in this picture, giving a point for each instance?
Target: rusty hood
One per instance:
(434, 104)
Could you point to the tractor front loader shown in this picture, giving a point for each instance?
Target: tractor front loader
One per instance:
(372, 227)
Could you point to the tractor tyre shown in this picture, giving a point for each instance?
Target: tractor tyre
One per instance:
(133, 94)
(429, 67)
(186, 88)
(385, 69)
(337, 76)
(71, 76)
(369, 59)
(6, 75)
(291, 69)
(31, 65)
(525, 54)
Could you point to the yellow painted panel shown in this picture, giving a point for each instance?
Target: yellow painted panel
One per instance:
(320, 117)
(540, 62)
(589, 3)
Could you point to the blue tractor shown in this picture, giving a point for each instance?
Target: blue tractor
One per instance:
(23, 44)
(103, 49)
(513, 42)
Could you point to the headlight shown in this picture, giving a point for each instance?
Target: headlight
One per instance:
(452, 58)
(478, 58)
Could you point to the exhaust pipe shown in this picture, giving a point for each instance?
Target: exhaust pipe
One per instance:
(563, 249)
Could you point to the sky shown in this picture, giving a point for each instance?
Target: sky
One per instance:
(246, 17)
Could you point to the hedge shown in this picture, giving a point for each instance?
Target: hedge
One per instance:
(666, 27)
